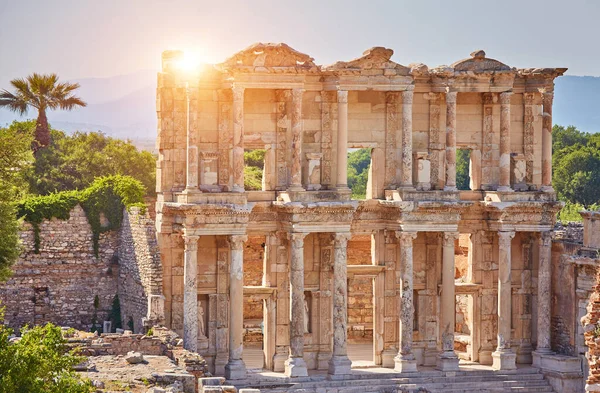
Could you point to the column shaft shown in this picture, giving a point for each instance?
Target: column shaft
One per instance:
(503, 357)
(238, 139)
(547, 142)
(295, 365)
(192, 150)
(504, 184)
(342, 140)
(447, 359)
(405, 360)
(190, 293)
(544, 295)
(340, 363)
(296, 171)
(235, 368)
(450, 141)
(406, 180)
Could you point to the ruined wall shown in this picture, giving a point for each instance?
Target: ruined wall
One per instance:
(140, 272)
(59, 284)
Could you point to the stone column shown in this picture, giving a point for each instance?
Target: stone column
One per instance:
(544, 297)
(406, 181)
(504, 185)
(235, 368)
(190, 293)
(447, 359)
(450, 141)
(295, 365)
(296, 171)
(339, 363)
(342, 141)
(191, 184)
(547, 98)
(238, 139)
(504, 358)
(405, 360)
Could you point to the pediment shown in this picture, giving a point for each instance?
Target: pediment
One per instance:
(479, 63)
(270, 55)
(377, 57)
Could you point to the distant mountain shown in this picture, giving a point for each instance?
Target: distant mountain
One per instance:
(125, 106)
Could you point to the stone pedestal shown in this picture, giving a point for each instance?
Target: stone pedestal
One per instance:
(340, 364)
(295, 366)
(208, 172)
(422, 171)
(504, 360)
(405, 361)
(313, 171)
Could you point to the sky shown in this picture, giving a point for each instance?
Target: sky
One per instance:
(91, 38)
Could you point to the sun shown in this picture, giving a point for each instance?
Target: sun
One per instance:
(190, 61)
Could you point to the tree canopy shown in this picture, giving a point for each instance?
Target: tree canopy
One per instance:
(359, 162)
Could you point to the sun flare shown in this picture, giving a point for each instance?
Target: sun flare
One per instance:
(190, 61)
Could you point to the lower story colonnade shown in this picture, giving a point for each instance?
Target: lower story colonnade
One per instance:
(304, 291)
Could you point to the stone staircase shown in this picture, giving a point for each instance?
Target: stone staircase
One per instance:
(363, 381)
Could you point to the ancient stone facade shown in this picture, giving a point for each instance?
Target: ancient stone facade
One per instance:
(306, 117)
(59, 284)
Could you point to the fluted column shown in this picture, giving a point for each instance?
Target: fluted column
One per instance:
(544, 296)
(405, 360)
(406, 180)
(342, 140)
(238, 139)
(504, 358)
(547, 142)
(339, 363)
(504, 185)
(191, 184)
(447, 359)
(450, 141)
(190, 293)
(295, 365)
(235, 368)
(296, 171)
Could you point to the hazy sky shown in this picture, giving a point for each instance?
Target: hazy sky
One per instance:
(95, 38)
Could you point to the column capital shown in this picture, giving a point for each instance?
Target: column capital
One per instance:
(238, 93)
(297, 94)
(504, 237)
(505, 97)
(391, 97)
(341, 239)
(296, 239)
(449, 238)
(528, 98)
(546, 238)
(451, 97)
(237, 241)
(407, 97)
(342, 96)
(489, 98)
(190, 242)
(406, 238)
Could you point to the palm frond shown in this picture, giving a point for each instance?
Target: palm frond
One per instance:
(71, 102)
(13, 102)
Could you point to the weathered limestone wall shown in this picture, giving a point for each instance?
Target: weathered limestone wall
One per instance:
(140, 273)
(59, 284)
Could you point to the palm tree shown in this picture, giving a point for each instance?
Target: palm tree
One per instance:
(42, 92)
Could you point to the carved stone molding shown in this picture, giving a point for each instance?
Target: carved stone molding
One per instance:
(341, 239)
(237, 241)
(406, 238)
(505, 238)
(190, 242)
(450, 238)
(296, 239)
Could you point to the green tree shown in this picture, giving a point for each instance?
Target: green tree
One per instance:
(73, 162)
(254, 163)
(463, 159)
(42, 92)
(359, 162)
(15, 156)
(40, 362)
(567, 136)
(576, 176)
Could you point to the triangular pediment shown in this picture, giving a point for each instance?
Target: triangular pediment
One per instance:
(377, 57)
(269, 55)
(479, 63)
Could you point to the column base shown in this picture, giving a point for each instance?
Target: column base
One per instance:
(192, 190)
(279, 362)
(546, 189)
(406, 187)
(340, 365)
(504, 359)
(235, 369)
(447, 361)
(405, 364)
(295, 367)
(452, 189)
(387, 358)
(295, 188)
(505, 189)
(238, 189)
(538, 356)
